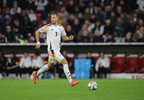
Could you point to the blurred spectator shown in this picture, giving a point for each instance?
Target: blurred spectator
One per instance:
(60, 19)
(132, 4)
(141, 4)
(17, 27)
(31, 4)
(87, 23)
(139, 26)
(12, 64)
(136, 35)
(124, 18)
(107, 2)
(98, 14)
(3, 61)
(93, 18)
(25, 64)
(102, 7)
(119, 28)
(110, 38)
(113, 6)
(9, 3)
(76, 27)
(118, 11)
(3, 7)
(91, 7)
(113, 18)
(71, 20)
(107, 13)
(28, 27)
(40, 7)
(64, 13)
(128, 38)
(125, 7)
(21, 4)
(31, 15)
(69, 32)
(98, 37)
(85, 37)
(7, 12)
(92, 69)
(141, 15)
(76, 11)
(82, 6)
(84, 28)
(17, 15)
(60, 70)
(95, 27)
(3, 27)
(0, 19)
(64, 22)
(102, 65)
(7, 18)
(80, 18)
(70, 7)
(141, 38)
(87, 14)
(19, 39)
(108, 29)
(3, 39)
(15, 6)
(97, 2)
(37, 62)
(10, 35)
(131, 26)
(136, 18)
(87, 2)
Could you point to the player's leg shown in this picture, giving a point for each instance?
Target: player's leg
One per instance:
(41, 70)
(45, 68)
(67, 72)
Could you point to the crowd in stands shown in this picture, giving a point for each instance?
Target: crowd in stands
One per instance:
(88, 20)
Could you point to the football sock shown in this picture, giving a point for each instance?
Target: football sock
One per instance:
(67, 72)
(41, 70)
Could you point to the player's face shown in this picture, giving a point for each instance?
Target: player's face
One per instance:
(54, 19)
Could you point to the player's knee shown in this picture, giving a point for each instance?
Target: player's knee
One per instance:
(64, 61)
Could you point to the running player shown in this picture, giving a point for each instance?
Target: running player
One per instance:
(54, 33)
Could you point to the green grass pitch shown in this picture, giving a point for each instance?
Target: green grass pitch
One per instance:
(59, 89)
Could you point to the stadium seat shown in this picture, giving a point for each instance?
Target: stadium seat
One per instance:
(38, 18)
(132, 63)
(119, 63)
(141, 65)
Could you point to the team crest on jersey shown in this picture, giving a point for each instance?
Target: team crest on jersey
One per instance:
(52, 30)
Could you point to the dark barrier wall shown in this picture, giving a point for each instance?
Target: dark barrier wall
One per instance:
(78, 47)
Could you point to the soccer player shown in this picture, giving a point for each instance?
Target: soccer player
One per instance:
(54, 33)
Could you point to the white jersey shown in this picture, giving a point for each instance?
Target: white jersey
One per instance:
(54, 34)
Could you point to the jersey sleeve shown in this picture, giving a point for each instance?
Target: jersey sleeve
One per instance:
(44, 28)
(63, 31)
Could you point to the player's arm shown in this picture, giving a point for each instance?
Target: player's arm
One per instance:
(37, 35)
(66, 38)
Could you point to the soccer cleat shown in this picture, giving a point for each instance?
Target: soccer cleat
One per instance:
(34, 77)
(74, 83)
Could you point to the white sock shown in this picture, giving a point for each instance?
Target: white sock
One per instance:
(43, 69)
(67, 72)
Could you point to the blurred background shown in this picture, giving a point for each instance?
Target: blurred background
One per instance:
(108, 32)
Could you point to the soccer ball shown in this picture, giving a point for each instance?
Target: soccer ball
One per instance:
(92, 85)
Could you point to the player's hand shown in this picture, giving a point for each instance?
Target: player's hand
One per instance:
(37, 46)
(71, 37)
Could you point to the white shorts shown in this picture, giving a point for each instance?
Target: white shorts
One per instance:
(55, 56)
